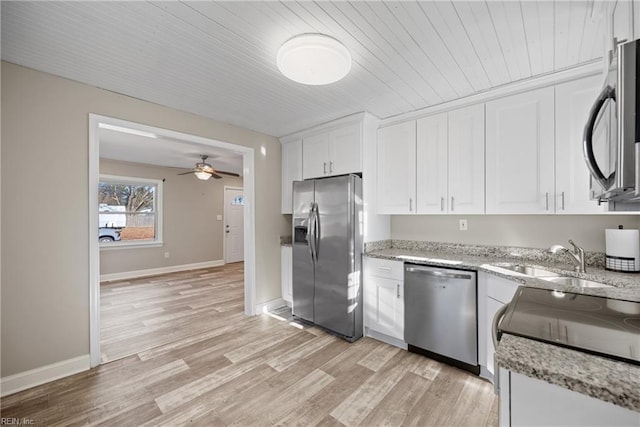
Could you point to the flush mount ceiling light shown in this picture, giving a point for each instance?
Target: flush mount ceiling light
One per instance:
(314, 59)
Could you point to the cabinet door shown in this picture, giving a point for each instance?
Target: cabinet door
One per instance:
(466, 160)
(344, 150)
(431, 165)
(520, 153)
(291, 171)
(286, 264)
(622, 21)
(384, 306)
(315, 156)
(535, 402)
(573, 101)
(397, 168)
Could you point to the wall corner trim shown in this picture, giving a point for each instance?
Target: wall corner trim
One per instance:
(270, 305)
(44, 374)
(161, 270)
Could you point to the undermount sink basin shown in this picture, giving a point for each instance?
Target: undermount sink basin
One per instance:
(574, 281)
(529, 271)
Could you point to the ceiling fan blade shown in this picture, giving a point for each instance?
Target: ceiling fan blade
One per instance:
(185, 173)
(216, 176)
(228, 173)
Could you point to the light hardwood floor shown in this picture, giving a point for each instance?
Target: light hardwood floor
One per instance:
(139, 314)
(263, 370)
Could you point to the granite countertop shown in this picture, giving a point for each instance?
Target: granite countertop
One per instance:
(602, 378)
(599, 377)
(623, 285)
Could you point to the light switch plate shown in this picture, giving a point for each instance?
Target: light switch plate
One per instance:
(463, 225)
(219, 217)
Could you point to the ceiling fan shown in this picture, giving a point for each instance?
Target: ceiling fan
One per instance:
(204, 170)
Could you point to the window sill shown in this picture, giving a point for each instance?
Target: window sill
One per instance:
(132, 245)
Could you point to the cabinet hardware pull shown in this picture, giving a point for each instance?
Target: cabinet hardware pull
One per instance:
(562, 196)
(546, 200)
(384, 268)
(324, 168)
(330, 167)
(398, 290)
(410, 204)
(442, 203)
(452, 204)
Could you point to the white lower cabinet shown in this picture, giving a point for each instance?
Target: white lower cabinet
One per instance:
(493, 293)
(384, 299)
(527, 401)
(286, 270)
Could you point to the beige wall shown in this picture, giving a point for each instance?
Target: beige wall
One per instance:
(530, 231)
(45, 238)
(191, 232)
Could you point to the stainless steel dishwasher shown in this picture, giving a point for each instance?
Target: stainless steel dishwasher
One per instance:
(440, 314)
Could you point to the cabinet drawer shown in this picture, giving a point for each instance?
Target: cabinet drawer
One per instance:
(384, 268)
(501, 289)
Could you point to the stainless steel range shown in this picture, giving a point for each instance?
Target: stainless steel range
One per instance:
(597, 325)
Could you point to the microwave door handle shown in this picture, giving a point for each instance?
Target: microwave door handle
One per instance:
(606, 93)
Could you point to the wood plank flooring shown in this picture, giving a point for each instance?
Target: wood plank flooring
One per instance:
(257, 371)
(144, 313)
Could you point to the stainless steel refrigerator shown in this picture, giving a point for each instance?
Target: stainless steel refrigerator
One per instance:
(327, 254)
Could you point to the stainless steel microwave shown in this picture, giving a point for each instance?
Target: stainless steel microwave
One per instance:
(612, 133)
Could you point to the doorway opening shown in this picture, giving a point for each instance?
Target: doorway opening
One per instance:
(154, 216)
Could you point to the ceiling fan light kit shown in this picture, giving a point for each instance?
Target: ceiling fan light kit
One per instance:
(314, 59)
(202, 175)
(203, 170)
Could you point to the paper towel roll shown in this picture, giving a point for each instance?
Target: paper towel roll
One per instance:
(622, 249)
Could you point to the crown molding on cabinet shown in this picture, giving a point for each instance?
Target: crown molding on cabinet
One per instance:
(328, 126)
(588, 69)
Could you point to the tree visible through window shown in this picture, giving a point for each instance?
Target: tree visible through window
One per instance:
(128, 209)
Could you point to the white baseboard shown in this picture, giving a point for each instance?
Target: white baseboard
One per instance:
(24, 380)
(270, 305)
(385, 338)
(161, 270)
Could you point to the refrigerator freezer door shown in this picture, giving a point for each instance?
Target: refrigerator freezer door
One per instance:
(303, 268)
(337, 279)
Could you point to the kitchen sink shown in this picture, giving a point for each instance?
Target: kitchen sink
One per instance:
(529, 270)
(574, 281)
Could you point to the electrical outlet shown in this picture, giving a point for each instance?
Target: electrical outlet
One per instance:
(166, 254)
(463, 225)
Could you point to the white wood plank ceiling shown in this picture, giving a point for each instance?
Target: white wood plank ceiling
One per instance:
(217, 59)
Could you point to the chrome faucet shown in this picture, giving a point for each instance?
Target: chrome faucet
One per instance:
(577, 256)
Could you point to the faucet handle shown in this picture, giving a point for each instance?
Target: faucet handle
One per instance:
(576, 247)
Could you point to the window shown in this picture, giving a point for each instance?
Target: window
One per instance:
(238, 201)
(129, 211)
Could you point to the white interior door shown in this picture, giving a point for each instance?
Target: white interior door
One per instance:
(233, 224)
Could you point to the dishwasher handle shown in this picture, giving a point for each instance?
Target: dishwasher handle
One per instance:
(437, 273)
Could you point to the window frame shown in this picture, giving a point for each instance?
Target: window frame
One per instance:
(158, 241)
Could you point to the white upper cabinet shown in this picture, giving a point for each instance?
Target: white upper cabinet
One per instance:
(431, 165)
(573, 101)
(520, 153)
(344, 150)
(336, 152)
(450, 162)
(466, 160)
(291, 171)
(397, 168)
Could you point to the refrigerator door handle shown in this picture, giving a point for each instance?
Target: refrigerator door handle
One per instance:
(310, 233)
(316, 231)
